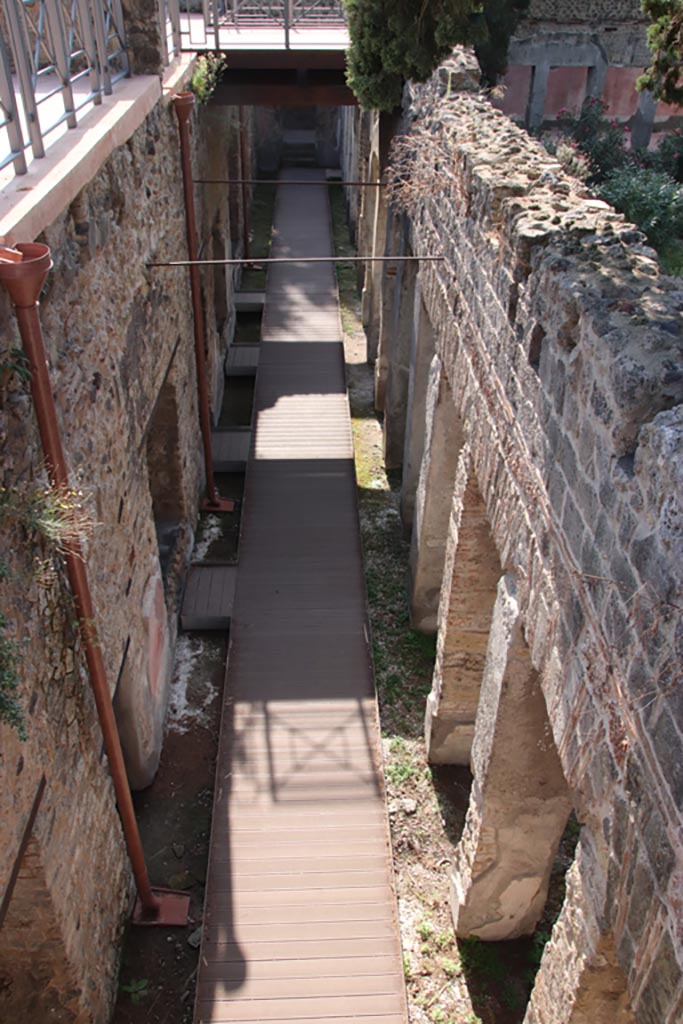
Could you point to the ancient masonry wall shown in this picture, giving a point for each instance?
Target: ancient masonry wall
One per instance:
(543, 395)
(120, 348)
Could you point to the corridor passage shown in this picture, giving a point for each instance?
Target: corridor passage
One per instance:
(300, 921)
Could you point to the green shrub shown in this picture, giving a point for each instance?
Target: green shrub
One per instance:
(650, 199)
(208, 72)
(600, 140)
(669, 156)
(664, 77)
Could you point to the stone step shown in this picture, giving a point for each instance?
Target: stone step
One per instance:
(230, 449)
(242, 361)
(209, 597)
(249, 302)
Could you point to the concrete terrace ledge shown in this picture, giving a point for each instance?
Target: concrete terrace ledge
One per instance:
(30, 202)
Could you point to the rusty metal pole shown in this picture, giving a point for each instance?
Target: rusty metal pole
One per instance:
(183, 105)
(244, 183)
(24, 280)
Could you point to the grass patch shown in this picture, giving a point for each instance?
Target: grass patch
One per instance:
(260, 235)
(346, 272)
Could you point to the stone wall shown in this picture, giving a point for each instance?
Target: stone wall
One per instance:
(563, 52)
(544, 403)
(120, 347)
(587, 11)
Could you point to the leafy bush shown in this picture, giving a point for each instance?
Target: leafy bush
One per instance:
(664, 77)
(669, 156)
(601, 141)
(648, 198)
(208, 72)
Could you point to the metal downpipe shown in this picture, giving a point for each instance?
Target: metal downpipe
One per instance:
(183, 105)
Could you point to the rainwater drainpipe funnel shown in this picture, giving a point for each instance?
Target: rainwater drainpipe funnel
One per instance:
(183, 104)
(23, 271)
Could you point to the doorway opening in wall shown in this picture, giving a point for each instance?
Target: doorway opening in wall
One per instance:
(164, 473)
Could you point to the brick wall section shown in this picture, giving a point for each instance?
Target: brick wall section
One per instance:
(563, 345)
(115, 331)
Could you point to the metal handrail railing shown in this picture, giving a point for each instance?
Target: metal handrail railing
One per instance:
(57, 57)
(254, 14)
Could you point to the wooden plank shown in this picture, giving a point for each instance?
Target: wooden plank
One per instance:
(295, 931)
(220, 1010)
(304, 912)
(320, 985)
(242, 361)
(300, 921)
(312, 882)
(311, 949)
(230, 449)
(284, 899)
(209, 597)
(231, 975)
(249, 302)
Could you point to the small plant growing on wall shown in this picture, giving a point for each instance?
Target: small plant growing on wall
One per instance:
(208, 72)
(46, 521)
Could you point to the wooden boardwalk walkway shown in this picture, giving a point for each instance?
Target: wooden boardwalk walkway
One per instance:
(300, 917)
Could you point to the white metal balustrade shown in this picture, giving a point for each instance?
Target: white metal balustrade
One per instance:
(57, 57)
(206, 24)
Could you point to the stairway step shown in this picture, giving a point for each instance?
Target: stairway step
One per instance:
(242, 361)
(249, 302)
(209, 597)
(230, 449)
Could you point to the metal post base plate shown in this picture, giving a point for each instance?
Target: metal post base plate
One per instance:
(218, 505)
(174, 908)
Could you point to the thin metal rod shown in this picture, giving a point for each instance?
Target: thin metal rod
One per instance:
(183, 106)
(244, 182)
(300, 259)
(26, 308)
(285, 181)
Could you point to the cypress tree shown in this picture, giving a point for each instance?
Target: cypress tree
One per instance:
(393, 41)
